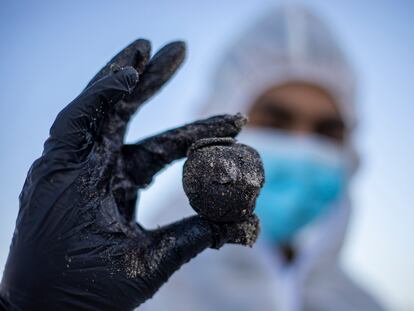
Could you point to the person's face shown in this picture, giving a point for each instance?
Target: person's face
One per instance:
(299, 108)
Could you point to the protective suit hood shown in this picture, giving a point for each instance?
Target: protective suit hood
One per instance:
(288, 43)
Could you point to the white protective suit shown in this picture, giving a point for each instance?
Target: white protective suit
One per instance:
(287, 44)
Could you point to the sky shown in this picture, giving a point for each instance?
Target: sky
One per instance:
(50, 50)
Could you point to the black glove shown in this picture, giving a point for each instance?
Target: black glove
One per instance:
(76, 245)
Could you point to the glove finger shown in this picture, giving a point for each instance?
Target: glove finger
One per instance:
(134, 55)
(243, 233)
(80, 122)
(168, 249)
(145, 158)
(174, 245)
(157, 72)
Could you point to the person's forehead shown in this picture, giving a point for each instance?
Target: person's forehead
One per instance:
(301, 98)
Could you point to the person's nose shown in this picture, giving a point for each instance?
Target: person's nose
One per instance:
(302, 128)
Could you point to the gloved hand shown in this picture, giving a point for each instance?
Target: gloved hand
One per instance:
(76, 245)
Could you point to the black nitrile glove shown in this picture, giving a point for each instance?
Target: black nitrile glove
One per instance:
(76, 245)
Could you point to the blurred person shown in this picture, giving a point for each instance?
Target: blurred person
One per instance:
(288, 73)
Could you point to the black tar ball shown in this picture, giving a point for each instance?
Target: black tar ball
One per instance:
(222, 179)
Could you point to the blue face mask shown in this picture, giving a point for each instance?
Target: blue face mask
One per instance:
(304, 176)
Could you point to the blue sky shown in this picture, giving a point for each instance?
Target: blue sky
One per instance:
(50, 49)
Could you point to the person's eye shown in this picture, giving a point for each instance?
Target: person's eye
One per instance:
(332, 129)
(276, 117)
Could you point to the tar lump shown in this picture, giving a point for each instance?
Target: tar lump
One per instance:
(222, 179)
